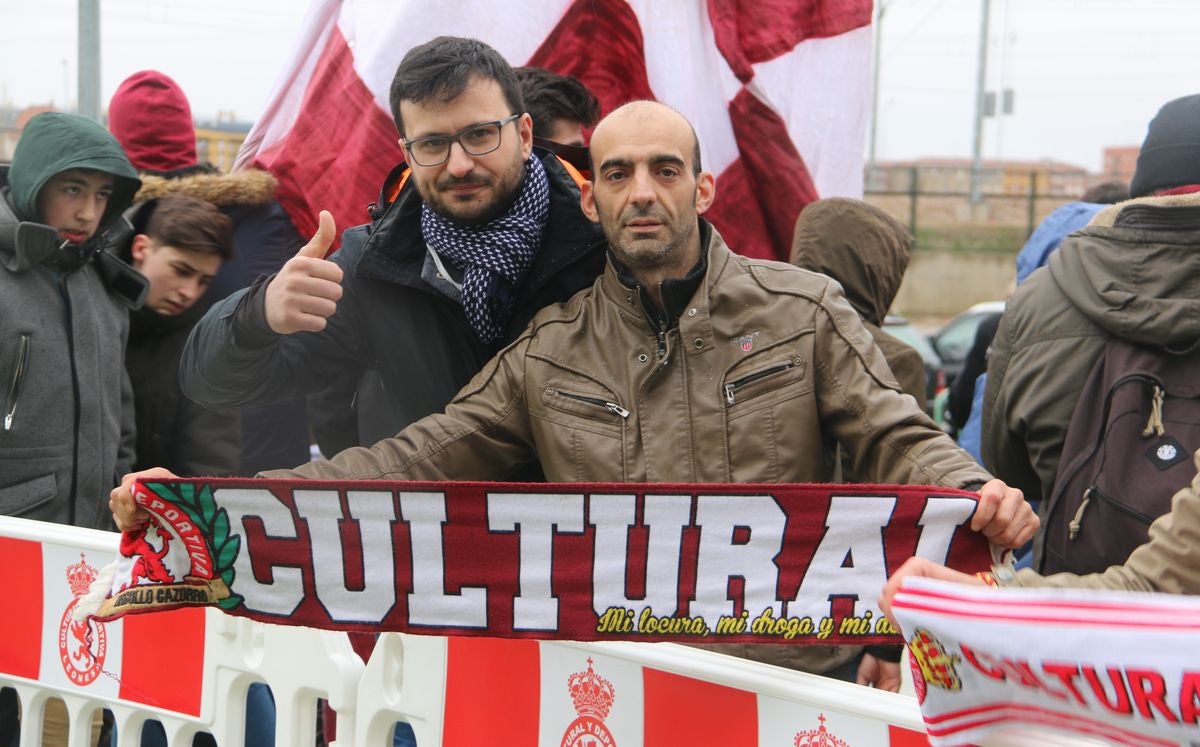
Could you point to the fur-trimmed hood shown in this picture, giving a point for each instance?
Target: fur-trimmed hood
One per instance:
(250, 187)
(1108, 216)
(1134, 271)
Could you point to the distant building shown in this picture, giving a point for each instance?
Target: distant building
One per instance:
(218, 141)
(12, 123)
(999, 177)
(1120, 162)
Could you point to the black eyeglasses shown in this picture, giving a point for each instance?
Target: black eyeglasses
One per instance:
(476, 140)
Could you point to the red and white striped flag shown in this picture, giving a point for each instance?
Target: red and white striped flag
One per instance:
(777, 90)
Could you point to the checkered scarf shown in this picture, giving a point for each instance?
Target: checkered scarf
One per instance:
(494, 256)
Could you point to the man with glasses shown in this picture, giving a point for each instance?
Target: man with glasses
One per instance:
(472, 236)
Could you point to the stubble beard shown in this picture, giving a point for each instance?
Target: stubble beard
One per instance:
(475, 215)
(649, 253)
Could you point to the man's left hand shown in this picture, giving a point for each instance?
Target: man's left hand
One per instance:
(1004, 516)
(882, 675)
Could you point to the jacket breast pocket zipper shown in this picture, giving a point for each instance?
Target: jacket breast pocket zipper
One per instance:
(610, 406)
(14, 384)
(732, 387)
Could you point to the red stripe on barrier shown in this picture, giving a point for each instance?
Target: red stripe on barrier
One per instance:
(21, 635)
(681, 710)
(898, 736)
(162, 663)
(493, 692)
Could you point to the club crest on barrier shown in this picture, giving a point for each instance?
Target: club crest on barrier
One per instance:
(819, 737)
(82, 645)
(593, 698)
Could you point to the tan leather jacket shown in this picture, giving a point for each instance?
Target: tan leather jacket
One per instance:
(766, 362)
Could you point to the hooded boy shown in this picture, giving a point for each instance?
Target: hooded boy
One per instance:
(66, 433)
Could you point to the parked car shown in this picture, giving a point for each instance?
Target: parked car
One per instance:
(903, 330)
(954, 340)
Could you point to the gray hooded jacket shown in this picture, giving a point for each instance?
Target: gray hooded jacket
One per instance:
(66, 407)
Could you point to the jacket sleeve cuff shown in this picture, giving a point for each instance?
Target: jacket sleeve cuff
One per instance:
(249, 319)
(886, 653)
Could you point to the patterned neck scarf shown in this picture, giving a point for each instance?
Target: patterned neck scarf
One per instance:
(494, 256)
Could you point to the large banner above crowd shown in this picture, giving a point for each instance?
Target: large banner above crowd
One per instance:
(778, 91)
(787, 564)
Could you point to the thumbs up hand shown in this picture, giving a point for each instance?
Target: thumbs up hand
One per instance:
(306, 290)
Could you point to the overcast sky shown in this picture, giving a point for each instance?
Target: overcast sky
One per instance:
(1086, 73)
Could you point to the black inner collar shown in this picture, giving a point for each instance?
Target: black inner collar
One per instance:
(676, 292)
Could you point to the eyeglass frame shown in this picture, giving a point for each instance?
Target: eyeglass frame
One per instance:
(457, 138)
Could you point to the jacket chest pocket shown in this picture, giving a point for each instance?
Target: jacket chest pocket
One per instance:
(580, 432)
(571, 399)
(767, 418)
(16, 381)
(749, 388)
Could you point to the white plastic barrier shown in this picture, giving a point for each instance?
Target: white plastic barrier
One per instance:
(190, 670)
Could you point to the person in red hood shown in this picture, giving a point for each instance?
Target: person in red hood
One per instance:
(151, 117)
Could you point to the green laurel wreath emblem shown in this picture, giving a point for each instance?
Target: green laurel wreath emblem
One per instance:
(214, 522)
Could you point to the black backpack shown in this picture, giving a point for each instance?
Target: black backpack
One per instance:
(1128, 450)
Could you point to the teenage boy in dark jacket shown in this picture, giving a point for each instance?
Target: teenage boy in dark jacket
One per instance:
(179, 245)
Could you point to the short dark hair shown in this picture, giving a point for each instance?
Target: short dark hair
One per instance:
(442, 68)
(191, 225)
(550, 96)
(1107, 193)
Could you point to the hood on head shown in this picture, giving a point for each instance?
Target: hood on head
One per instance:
(151, 118)
(858, 245)
(54, 142)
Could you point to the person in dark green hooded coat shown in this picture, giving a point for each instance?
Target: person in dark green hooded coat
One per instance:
(66, 407)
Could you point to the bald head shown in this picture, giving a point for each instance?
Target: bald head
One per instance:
(636, 115)
(647, 190)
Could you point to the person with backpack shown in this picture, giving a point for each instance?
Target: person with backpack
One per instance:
(1118, 298)
(1168, 563)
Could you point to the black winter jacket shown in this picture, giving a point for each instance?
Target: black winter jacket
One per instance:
(393, 319)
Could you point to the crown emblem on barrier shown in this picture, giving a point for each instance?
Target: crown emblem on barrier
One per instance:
(591, 693)
(819, 737)
(80, 576)
(936, 665)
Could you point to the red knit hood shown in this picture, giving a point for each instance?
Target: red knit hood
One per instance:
(152, 119)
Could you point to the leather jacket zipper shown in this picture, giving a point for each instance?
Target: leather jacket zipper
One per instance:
(14, 386)
(611, 406)
(732, 387)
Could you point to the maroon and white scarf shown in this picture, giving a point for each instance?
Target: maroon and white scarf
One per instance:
(781, 564)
